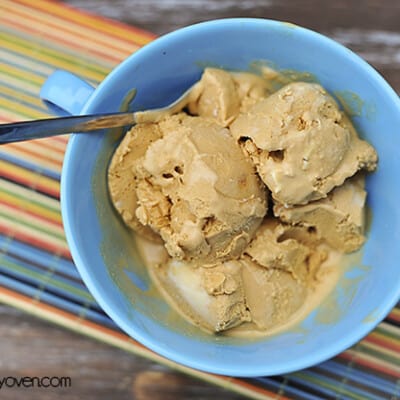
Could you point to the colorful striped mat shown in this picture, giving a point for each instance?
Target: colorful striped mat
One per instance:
(36, 271)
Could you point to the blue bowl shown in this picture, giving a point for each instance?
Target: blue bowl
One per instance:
(103, 249)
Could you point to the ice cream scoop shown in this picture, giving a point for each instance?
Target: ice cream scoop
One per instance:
(302, 144)
(220, 95)
(186, 181)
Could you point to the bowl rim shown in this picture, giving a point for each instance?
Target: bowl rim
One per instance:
(348, 339)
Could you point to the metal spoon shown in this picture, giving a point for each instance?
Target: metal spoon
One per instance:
(41, 128)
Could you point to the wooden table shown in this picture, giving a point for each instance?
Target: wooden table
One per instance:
(35, 348)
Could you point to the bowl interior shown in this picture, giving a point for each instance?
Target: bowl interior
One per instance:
(103, 249)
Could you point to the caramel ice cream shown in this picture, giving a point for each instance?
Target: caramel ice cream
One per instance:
(261, 289)
(279, 266)
(273, 295)
(220, 95)
(213, 298)
(339, 219)
(286, 248)
(301, 143)
(194, 187)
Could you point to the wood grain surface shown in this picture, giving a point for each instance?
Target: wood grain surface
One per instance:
(30, 347)
(371, 28)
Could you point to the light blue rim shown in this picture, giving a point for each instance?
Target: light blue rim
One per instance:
(348, 339)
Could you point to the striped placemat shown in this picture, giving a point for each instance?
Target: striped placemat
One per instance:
(36, 270)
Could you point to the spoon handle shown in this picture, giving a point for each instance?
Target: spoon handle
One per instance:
(42, 128)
